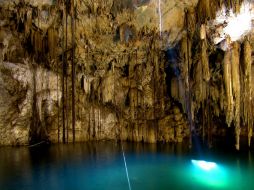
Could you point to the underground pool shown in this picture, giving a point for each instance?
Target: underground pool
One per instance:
(101, 165)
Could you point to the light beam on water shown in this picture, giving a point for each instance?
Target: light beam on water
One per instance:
(126, 169)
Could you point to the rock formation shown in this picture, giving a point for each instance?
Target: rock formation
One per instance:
(120, 70)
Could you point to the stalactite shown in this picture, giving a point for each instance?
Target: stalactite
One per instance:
(114, 92)
(132, 94)
(63, 74)
(66, 69)
(206, 9)
(235, 58)
(73, 70)
(94, 125)
(89, 124)
(36, 40)
(205, 62)
(97, 125)
(205, 83)
(227, 75)
(203, 120)
(188, 96)
(237, 6)
(58, 105)
(99, 118)
(209, 118)
(176, 82)
(35, 122)
(233, 4)
(154, 84)
(28, 23)
(52, 41)
(67, 103)
(137, 86)
(247, 82)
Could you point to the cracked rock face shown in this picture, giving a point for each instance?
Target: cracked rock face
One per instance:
(132, 81)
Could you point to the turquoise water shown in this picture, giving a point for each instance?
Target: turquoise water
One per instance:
(98, 166)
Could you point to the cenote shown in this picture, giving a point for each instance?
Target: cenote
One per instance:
(100, 165)
(126, 94)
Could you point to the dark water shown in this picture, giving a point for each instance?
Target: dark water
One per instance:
(100, 166)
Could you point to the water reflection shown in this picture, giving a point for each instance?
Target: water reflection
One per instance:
(15, 163)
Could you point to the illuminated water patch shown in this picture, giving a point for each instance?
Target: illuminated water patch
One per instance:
(204, 165)
(209, 174)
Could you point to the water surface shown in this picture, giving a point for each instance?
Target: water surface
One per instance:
(98, 166)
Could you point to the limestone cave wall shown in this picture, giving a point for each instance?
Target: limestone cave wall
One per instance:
(120, 70)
